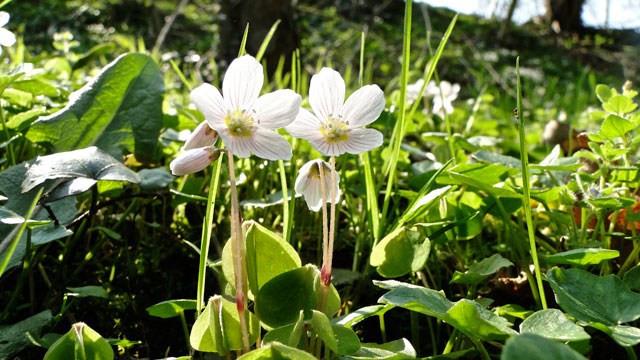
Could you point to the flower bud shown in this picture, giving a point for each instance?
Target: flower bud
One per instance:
(308, 184)
(194, 160)
(202, 136)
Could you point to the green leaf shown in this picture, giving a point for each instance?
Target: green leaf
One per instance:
(322, 326)
(277, 351)
(482, 177)
(590, 298)
(281, 299)
(424, 203)
(155, 179)
(475, 321)
(619, 104)
(35, 87)
(90, 55)
(604, 93)
(553, 324)
(86, 291)
(419, 299)
(121, 107)
(13, 337)
(401, 251)
(355, 317)
(290, 335)
(536, 347)
(400, 349)
(348, 342)
(171, 308)
(489, 157)
(582, 257)
(217, 329)
(611, 203)
(80, 168)
(623, 335)
(514, 310)
(632, 278)
(615, 127)
(81, 342)
(481, 270)
(5, 81)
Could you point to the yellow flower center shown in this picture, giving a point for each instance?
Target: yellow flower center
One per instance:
(335, 130)
(240, 123)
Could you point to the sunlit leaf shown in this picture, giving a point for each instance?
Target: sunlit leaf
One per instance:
(536, 347)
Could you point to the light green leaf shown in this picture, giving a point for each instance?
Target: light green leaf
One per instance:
(583, 257)
(35, 87)
(400, 252)
(355, 317)
(604, 93)
(121, 107)
(614, 126)
(86, 291)
(553, 324)
(619, 104)
(322, 326)
(277, 351)
(591, 298)
(80, 343)
(536, 347)
(623, 335)
(400, 349)
(475, 321)
(514, 310)
(171, 308)
(481, 270)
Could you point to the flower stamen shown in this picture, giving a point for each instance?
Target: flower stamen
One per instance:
(335, 130)
(240, 123)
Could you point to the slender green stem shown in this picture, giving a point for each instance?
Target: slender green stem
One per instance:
(631, 353)
(526, 190)
(452, 340)
(481, 348)
(185, 329)
(415, 330)
(206, 233)
(286, 226)
(383, 331)
(6, 134)
(631, 259)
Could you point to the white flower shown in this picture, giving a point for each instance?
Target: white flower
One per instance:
(413, 90)
(442, 101)
(202, 136)
(194, 160)
(336, 126)
(245, 121)
(308, 183)
(7, 38)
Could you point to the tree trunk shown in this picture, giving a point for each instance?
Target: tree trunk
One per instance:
(564, 15)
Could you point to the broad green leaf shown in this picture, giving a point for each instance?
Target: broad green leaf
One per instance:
(277, 351)
(483, 177)
(481, 270)
(401, 251)
(583, 257)
(267, 256)
(90, 163)
(591, 298)
(6, 80)
(290, 335)
(619, 104)
(419, 299)
(632, 278)
(348, 342)
(121, 107)
(80, 343)
(13, 337)
(217, 329)
(400, 349)
(604, 93)
(623, 335)
(514, 310)
(489, 157)
(614, 126)
(356, 316)
(86, 291)
(424, 203)
(553, 324)
(22, 120)
(322, 326)
(611, 203)
(90, 55)
(536, 347)
(155, 179)
(171, 308)
(475, 321)
(281, 299)
(35, 87)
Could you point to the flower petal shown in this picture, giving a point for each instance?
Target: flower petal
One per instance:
(193, 160)
(202, 136)
(4, 18)
(362, 140)
(266, 144)
(308, 184)
(327, 148)
(211, 104)
(306, 126)
(277, 109)
(363, 106)
(242, 83)
(7, 38)
(326, 93)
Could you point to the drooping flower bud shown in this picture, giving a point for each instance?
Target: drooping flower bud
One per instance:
(202, 136)
(194, 160)
(309, 185)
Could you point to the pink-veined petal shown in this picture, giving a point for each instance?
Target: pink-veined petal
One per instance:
(211, 104)
(7, 38)
(363, 106)
(4, 18)
(242, 83)
(277, 109)
(362, 140)
(202, 136)
(268, 144)
(193, 160)
(326, 93)
(306, 126)
(327, 148)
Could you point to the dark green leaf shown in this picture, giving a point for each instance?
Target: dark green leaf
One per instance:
(623, 335)
(84, 291)
(121, 107)
(536, 347)
(13, 338)
(171, 308)
(90, 55)
(481, 270)
(632, 278)
(155, 179)
(553, 324)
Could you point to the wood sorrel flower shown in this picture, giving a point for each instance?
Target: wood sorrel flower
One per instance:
(194, 160)
(335, 128)
(308, 184)
(202, 136)
(245, 121)
(442, 96)
(7, 38)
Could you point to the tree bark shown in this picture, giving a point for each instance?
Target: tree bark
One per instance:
(564, 15)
